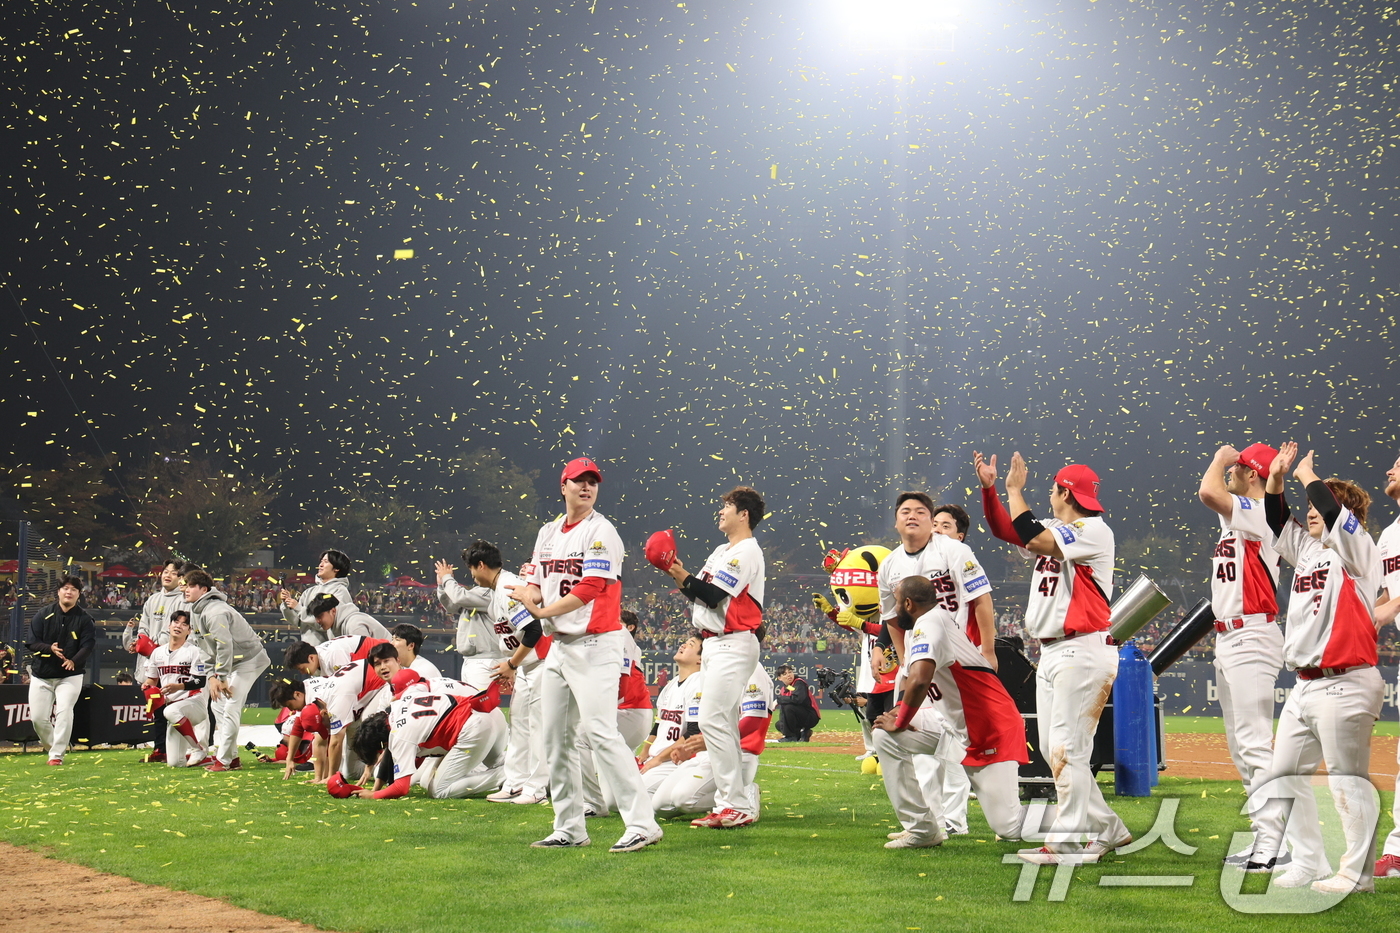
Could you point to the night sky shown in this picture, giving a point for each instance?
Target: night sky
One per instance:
(666, 235)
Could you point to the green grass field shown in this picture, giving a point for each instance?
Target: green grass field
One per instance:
(815, 862)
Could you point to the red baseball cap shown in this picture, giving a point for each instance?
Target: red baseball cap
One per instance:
(403, 679)
(1258, 457)
(661, 549)
(577, 467)
(1083, 482)
(338, 787)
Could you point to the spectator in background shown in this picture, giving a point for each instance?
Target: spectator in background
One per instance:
(9, 669)
(797, 708)
(333, 577)
(61, 638)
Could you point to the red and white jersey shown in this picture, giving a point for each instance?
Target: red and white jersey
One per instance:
(738, 569)
(1334, 587)
(308, 720)
(1072, 594)
(758, 701)
(425, 724)
(1245, 573)
(670, 711)
(173, 667)
(1389, 545)
(341, 652)
(425, 668)
(950, 565)
(967, 692)
(352, 689)
(632, 689)
(566, 554)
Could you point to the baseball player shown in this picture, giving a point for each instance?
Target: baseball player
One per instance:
(1068, 611)
(671, 707)
(328, 658)
(154, 623)
(967, 594)
(1330, 641)
(175, 683)
(942, 663)
(409, 640)
(335, 622)
(1388, 865)
(465, 731)
(574, 587)
(1248, 641)
(477, 640)
(234, 655)
(691, 786)
(333, 577)
(61, 637)
(305, 698)
(633, 720)
(526, 768)
(727, 607)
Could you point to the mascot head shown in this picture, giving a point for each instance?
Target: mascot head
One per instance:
(853, 581)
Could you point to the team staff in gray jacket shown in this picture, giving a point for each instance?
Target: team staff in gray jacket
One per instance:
(154, 623)
(235, 657)
(333, 577)
(61, 637)
(325, 609)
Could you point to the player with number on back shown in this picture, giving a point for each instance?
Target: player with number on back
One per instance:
(574, 589)
(1068, 611)
(1248, 642)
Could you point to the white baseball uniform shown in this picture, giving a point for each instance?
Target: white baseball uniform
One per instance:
(578, 680)
(1389, 546)
(1248, 643)
(633, 724)
(1329, 716)
(730, 655)
(1068, 611)
(155, 625)
(692, 787)
(427, 723)
(178, 666)
(339, 653)
(670, 720)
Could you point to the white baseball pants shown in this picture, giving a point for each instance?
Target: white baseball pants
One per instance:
(1247, 662)
(918, 811)
(51, 702)
(196, 710)
(1325, 720)
(1073, 683)
(578, 691)
(475, 765)
(691, 788)
(526, 768)
(727, 663)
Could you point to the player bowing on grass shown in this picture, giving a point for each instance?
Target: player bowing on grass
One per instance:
(1330, 641)
(574, 587)
(727, 608)
(1068, 611)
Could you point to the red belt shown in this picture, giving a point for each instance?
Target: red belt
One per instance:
(1225, 625)
(1313, 673)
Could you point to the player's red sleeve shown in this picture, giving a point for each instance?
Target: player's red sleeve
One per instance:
(397, 789)
(874, 627)
(542, 646)
(589, 589)
(998, 519)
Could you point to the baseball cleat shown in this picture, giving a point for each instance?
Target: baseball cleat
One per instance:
(1047, 856)
(899, 835)
(732, 819)
(556, 841)
(504, 795)
(196, 758)
(1388, 866)
(154, 758)
(55, 761)
(1297, 877)
(634, 841)
(1259, 868)
(217, 765)
(237, 765)
(911, 841)
(1342, 884)
(708, 821)
(1097, 848)
(525, 799)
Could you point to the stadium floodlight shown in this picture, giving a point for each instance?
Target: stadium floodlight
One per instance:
(898, 25)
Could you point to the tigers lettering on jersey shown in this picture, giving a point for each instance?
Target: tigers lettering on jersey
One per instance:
(568, 566)
(1390, 565)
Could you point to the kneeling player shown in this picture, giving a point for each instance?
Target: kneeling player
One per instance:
(691, 788)
(944, 664)
(467, 732)
(655, 757)
(177, 672)
(306, 733)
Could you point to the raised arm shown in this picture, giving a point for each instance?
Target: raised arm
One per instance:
(1213, 493)
(1037, 542)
